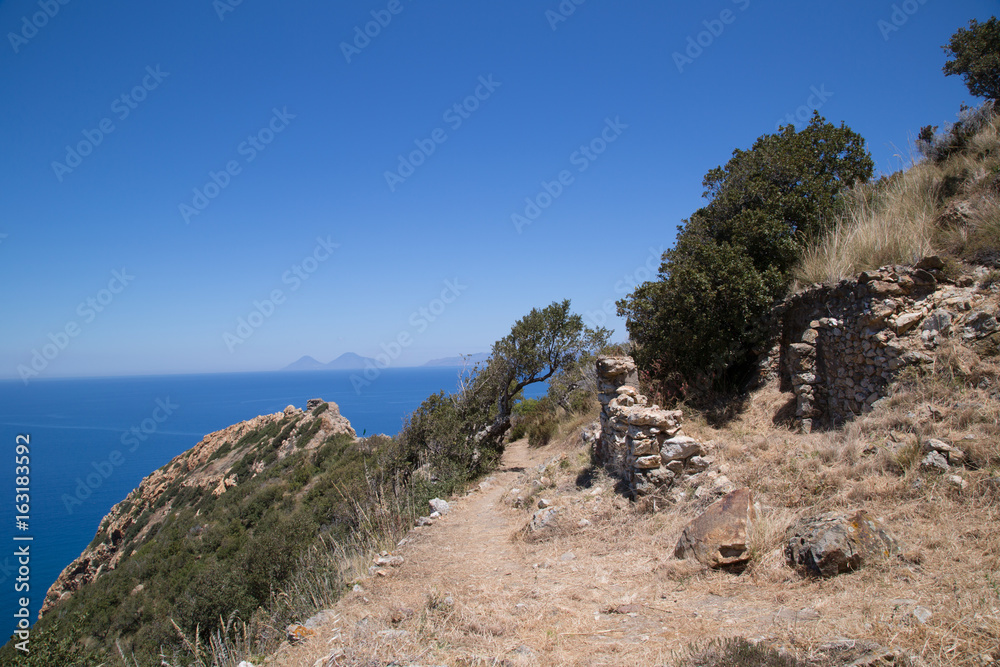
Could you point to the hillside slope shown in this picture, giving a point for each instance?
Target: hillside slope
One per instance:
(211, 534)
(600, 584)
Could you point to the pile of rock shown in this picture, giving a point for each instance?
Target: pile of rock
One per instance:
(613, 373)
(642, 443)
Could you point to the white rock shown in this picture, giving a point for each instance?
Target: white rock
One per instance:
(543, 503)
(440, 506)
(922, 614)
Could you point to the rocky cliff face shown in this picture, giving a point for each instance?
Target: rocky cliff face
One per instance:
(220, 462)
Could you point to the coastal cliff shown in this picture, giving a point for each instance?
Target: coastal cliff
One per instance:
(220, 462)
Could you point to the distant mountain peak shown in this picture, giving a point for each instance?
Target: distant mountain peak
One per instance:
(346, 361)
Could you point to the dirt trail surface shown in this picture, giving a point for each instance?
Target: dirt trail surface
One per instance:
(599, 585)
(473, 590)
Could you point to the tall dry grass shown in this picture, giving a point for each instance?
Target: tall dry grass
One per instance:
(889, 223)
(947, 203)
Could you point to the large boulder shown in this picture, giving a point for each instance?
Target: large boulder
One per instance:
(718, 538)
(833, 543)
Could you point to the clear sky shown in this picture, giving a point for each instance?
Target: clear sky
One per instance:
(212, 153)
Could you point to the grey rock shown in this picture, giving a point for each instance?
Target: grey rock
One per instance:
(833, 543)
(543, 518)
(957, 482)
(934, 462)
(679, 448)
(938, 321)
(440, 506)
(907, 321)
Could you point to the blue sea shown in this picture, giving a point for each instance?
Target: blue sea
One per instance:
(112, 432)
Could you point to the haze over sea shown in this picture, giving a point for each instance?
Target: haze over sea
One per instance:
(82, 427)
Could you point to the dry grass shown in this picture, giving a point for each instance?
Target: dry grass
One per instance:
(892, 223)
(948, 206)
(609, 592)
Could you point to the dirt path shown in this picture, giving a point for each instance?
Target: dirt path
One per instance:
(455, 574)
(599, 587)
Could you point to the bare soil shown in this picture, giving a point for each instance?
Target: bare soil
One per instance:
(478, 588)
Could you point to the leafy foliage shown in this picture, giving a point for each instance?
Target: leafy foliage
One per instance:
(464, 434)
(975, 55)
(704, 321)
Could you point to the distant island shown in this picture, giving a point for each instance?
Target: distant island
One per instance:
(351, 361)
(346, 361)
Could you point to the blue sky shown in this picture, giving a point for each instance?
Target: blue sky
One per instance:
(214, 153)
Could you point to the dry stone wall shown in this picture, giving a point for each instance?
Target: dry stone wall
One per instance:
(842, 345)
(642, 443)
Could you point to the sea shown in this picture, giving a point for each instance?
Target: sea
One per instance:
(92, 440)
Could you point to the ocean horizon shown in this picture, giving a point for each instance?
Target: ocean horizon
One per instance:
(92, 440)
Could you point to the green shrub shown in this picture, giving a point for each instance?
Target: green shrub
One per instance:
(541, 432)
(706, 320)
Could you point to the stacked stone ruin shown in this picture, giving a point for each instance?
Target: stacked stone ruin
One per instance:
(842, 345)
(641, 443)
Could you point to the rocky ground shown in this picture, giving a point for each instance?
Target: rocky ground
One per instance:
(594, 581)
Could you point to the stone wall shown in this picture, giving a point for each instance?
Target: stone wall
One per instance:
(842, 345)
(641, 443)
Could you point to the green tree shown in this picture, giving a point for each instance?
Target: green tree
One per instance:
(705, 319)
(975, 55)
(467, 429)
(539, 345)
